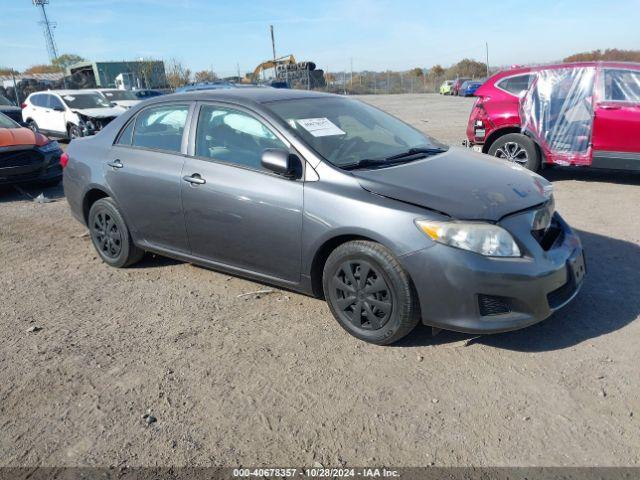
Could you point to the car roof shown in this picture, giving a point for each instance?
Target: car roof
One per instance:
(66, 92)
(534, 68)
(243, 95)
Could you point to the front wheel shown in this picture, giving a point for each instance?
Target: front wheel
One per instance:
(517, 148)
(110, 235)
(369, 293)
(32, 125)
(74, 132)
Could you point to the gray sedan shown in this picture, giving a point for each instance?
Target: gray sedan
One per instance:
(330, 197)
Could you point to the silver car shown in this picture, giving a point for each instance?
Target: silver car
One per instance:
(330, 197)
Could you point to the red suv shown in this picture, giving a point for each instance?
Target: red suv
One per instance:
(583, 114)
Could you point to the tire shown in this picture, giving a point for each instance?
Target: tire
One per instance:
(110, 235)
(517, 148)
(73, 131)
(384, 308)
(32, 125)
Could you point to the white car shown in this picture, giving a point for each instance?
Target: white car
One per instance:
(122, 98)
(68, 113)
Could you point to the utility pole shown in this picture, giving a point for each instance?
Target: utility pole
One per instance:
(47, 28)
(238, 67)
(273, 43)
(486, 45)
(351, 80)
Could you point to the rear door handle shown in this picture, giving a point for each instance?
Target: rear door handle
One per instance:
(115, 164)
(194, 179)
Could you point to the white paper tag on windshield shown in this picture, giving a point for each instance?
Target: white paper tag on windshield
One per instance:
(320, 127)
(69, 98)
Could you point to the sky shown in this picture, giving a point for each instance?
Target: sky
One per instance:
(373, 34)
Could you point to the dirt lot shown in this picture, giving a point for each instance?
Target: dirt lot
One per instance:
(273, 380)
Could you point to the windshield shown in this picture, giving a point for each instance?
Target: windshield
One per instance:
(5, 101)
(85, 100)
(6, 122)
(346, 131)
(114, 95)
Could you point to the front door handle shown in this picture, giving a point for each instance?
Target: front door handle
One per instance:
(115, 164)
(194, 179)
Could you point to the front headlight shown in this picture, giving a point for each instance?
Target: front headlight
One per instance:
(52, 146)
(483, 238)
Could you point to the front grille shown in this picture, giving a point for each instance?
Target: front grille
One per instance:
(561, 295)
(20, 158)
(491, 305)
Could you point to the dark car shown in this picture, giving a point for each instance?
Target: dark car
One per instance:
(26, 156)
(145, 94)
(8, 108)
(330, 197)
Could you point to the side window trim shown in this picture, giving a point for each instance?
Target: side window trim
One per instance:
(185, 133)
(269, 125)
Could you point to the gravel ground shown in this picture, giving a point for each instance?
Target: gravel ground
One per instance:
(271, 379)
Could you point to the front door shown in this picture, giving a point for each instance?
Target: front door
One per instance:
(143, 170)
(238, 214)
(616, 141)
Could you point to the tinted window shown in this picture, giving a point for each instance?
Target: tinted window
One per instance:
(126, 136)
(516, 84)
(5, 101)
(39, 100)
(6, 122)
(54, 102)
(161, 127)
(233, 136)
(622, 85)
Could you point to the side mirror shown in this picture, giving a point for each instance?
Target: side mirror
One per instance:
(282, 162)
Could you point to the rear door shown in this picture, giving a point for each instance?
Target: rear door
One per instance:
(616, 141)
(144, 173)
(237, 213)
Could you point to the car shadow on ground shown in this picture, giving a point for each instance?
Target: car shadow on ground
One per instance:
(16, 193)
(592, 175)
(151, 260)
(609, 300)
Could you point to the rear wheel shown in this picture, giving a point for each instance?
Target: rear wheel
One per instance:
(369, 293)
(110, 235)
(517, 148)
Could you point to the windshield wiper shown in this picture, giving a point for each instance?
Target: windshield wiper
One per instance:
(423, 151)
(364, 163)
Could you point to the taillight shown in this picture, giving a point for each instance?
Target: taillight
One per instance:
(64, 159)
(23, 105)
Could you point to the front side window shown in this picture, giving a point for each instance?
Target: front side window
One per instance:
(622, 85)
(54, 102)
(161, 128)
(233, 136)
(517, 84)
(347, 132)
(5, 101)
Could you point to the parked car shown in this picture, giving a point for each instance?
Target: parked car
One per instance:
(146, 93)
(331, 197)
(455, 88)
(581, 114)
(10, 109)
(26, 156)
(468, 88)
(121, 98)
(68, 113)
(445, 88)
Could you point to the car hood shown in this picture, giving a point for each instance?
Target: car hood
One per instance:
(16, 136)
(460, 183)
(127, 103)
(99, 112)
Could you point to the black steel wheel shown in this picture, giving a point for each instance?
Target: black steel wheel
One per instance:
(110, 235)
(369, 293)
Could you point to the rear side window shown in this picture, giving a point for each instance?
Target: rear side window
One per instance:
(126, 136)
(161, 128)
(622, 86)
(233, 136)
(515, 85)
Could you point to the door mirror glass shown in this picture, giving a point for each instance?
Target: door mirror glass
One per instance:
(282, 162)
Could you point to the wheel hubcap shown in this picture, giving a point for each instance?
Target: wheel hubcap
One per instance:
(513, 152)
(362, 296)
(107, 235)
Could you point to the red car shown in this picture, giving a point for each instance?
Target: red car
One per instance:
(27, 157)
(583, 114)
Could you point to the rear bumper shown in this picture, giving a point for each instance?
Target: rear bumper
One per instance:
(28, 165)
(466, 292)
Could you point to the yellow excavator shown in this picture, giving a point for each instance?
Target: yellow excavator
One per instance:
(286, 60)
